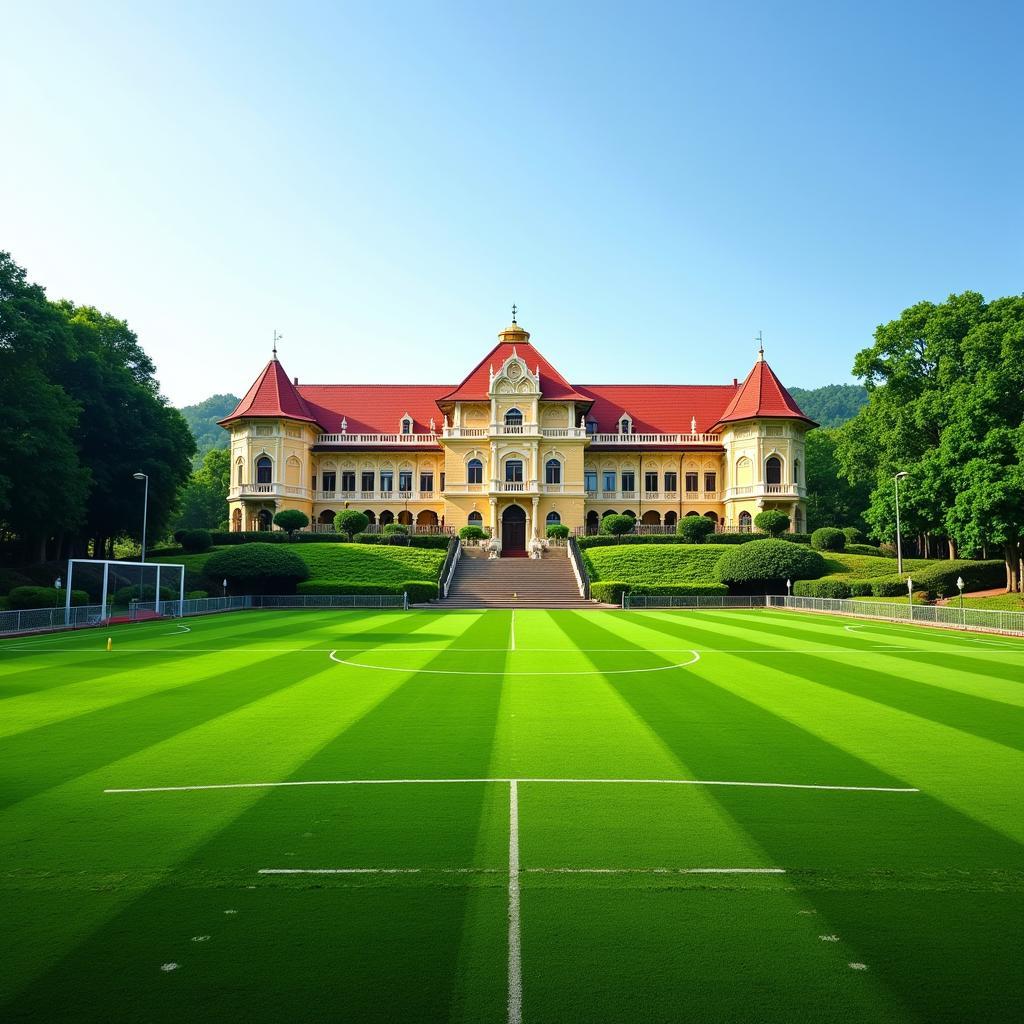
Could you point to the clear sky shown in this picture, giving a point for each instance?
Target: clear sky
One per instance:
(652, 184)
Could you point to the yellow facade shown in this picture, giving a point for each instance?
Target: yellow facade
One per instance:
(517, 449)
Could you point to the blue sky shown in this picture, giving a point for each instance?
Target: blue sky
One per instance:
(652, 184)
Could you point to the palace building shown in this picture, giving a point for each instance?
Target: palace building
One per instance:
(515, 447)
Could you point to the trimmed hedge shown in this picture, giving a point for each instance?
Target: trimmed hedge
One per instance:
(853, 536)
(257, 569)
(611, 591)
(196, 595)
(694, 529)
(418, 590)
(472, 532)
(940, 579)
(194, 541)
(557, 531)
(828, 538)
(763, 562)
(822, 588)
(437, 541)
(600, 541)
(146, 592)
(22, 598)
(867, 549)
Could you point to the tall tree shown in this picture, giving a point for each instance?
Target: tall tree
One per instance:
(832, 500)
(202, 500)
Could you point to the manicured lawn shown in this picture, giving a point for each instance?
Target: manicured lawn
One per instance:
(896, 900)
(995, 603)
(654, 563)
(354, 563)
(844, 566)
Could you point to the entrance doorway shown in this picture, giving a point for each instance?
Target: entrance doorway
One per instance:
(513, 532)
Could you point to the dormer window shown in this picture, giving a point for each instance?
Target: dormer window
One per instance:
(406, 424)
(591, 426)
(626, 424)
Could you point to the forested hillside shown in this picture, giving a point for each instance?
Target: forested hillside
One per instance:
(202, 421)
(833, 404)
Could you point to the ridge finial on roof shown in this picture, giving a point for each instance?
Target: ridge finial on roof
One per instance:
(515, 309)
(277, 338)
(760, 346)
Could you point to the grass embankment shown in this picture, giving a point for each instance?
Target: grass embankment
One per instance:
(358, 565)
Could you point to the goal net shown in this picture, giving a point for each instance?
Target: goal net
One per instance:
(124, 590)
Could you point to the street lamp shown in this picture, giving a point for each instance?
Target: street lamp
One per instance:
(58, 583)
(910, 595)
(145, 510)
(224, 584)
(789, 587)
(960, 587)
(899, 543)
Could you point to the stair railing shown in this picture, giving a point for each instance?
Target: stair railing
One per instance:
(579, 568)
(451, 559)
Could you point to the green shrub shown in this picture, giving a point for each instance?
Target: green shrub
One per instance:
(828, 538)
(694, 529)
(558, 531)
(853, 536)
(617, 525)
(472, 532)
(146, 592)
(860, 588)
(435, 541)
(291, 519)
(888, 586)
(419, 591)
(350, 521)
(194, 541)
(257, 569)
(196, 595)
(681, 589)
(768, 563)
(608, 591)
(368, 538)
(10, 578)
(22, 598)
(629, 538)
(867, 549)
(222, 538)
(395, 530)
(822, 588)
(772, 521)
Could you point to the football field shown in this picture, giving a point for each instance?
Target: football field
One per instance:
(701, 816)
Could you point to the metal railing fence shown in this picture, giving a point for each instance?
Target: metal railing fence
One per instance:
(634, 601)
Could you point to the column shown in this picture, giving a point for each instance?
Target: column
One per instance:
(494, 517)
(534, 519)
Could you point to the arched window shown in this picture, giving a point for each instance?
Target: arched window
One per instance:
(670, 519)
(475, 471)
(712, 517)
(745, 522)
(773, 470)
(236, 520)
(406, 425)
(513, 418)
(796, 471)
(514, 471)
(552, 472)
(553, 519)
(475, 519)
(238, 474)
(264, 470)
(625, 425)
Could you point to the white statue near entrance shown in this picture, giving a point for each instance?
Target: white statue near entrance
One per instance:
(493, 547)
(536, 547)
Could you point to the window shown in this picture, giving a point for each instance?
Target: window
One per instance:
(513, 418)
(710, 479)
(591, 426)
(609, 480)
(405, 479)
(625, 425)
(475, 519)
(314, 481)
(387, 481)
(796, 471)
(552, 471)
(671, 481)
(264, 470)
(475, 471)
(239, 481)
(348, 479)
(590, 479)
(628, 480)
(442, 481)
(650, 481)
(514, 471)
(773, 471)
(329, 480)
(745, 521)
(426, 481)
(367, 480)
(553, 519)
(406, 425)
(691, 481)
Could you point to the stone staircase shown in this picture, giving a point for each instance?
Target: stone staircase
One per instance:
(547, 582)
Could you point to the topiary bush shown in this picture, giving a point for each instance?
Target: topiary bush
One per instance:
(21, 598)
(194, 541)
(694, 529)
(395, 533)
(860, 588)
(291, 519)
(765, 565)
(822, 588)
(828, 538)
(608, 591)
(617, 525)
(772, 521)
(557, 531)
(867, 549)
(350, 522)
(472, 533)
(853, 536)
(257, 569)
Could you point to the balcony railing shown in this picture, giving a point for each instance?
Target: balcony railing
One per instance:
(751, 490)
(268, 491)
(355, 440)
(637, 440)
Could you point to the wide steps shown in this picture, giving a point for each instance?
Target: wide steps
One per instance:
(547, 582)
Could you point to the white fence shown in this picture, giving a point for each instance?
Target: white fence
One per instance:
(950, 615)
(634, 601)
(331, 601)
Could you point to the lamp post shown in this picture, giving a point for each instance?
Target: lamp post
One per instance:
(58, 583)
(960, 587)
(224, 584)
(145, 510)
(910, 595)
(789, 587)
(899, 543)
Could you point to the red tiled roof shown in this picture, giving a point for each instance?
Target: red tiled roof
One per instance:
(763, 394)
(553, 386)
(272, 394)
(374, 408)
(657, 408)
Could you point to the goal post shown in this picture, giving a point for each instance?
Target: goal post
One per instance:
(137, 589)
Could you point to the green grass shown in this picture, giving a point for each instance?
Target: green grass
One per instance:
(654, 563)
(353, 563)
(99, 890)
(995, 603)
(847, 567)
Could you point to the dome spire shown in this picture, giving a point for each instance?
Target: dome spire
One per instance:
(760, 346)
(277, 338)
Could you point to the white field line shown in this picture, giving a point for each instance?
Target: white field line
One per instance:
(902, 631)
(512, 632)
(380, 871)
(444, 782)
(179, 629)
(656, 871)
(515, 966)
(506, 672)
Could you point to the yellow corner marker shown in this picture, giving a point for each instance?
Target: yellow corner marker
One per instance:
(110, 643)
